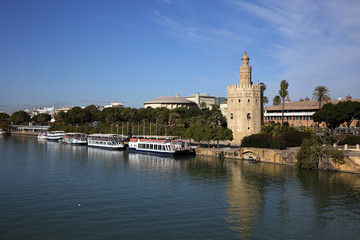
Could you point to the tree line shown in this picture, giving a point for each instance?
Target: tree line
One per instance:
(202, 125)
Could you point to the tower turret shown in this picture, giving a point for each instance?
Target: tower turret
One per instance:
(245, 72)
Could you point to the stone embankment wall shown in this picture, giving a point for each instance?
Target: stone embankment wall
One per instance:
(287, 157)
(28, 134)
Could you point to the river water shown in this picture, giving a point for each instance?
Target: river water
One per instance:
(50, 190)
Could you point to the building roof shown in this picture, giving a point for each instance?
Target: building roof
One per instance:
(299, 105)
(204, 95)
(170, 99)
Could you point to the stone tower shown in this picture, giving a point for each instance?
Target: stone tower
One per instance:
(245, 104)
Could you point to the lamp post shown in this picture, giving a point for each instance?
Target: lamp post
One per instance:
(144, 127)
(156, 126)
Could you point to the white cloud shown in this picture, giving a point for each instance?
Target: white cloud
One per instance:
(320, 42)
(198, 33)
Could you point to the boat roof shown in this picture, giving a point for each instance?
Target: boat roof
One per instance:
(104, 135)
(155, 137)
(75, 134)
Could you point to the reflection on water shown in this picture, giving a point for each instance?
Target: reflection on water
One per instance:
(154, 164)
(286, 202)
(245, 200)
(137, 196)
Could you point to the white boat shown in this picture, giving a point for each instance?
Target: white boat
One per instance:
(42, 136)
(55, 135)
(2, 132)
(75, 138)
(108, 141)
(160, 145)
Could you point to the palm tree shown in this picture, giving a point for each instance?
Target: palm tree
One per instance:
(320, 94)
(276, 100)
(283, 92)
(265, 100)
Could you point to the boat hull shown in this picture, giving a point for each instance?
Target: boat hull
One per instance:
(107, 147)
(162, 153)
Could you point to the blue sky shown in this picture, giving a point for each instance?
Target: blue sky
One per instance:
(60, 53)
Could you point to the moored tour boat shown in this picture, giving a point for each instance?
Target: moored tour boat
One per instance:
(160, 145)
(55, 135)
(107, 141)
(75, 138)
(42, 136)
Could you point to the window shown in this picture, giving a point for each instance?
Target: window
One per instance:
(248, 100)
(248, 116)
(231, 116)
(239, 100)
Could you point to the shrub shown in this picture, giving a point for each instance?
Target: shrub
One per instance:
(277, 143)
(307, 156)
(294, 138)
(350, 140)
(256, 140)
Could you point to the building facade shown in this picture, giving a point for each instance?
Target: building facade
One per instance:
(245, 104)
(170, 102)
(298, 113)
(204, 98)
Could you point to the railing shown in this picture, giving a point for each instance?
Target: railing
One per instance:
(347, 147)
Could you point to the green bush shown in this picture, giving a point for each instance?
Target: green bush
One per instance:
(350, 140)
(294, 138)
(277, 143)
(256, 140)
(307, 157)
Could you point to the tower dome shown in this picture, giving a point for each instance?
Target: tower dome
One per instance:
(245, 56)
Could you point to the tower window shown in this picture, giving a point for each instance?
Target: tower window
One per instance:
(248, 116)
(239, 100)
(248, 100)
(231, 116)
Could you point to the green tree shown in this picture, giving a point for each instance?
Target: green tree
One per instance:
(61, 117)
(198, 134)
(41, 118)
(313, 155)
(94, 111)
(265, 100)
(320, 93)
(203, 105)
(350, 111)
(77, 115)
(216, 119)
(20, 117)
(4, 120)
(276, 100)
(174, 119)
(329, 114)
(4, 117)
(209, 134)
(222, 134)
(283, 92)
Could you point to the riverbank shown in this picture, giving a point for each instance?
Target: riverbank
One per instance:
(274, 156)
